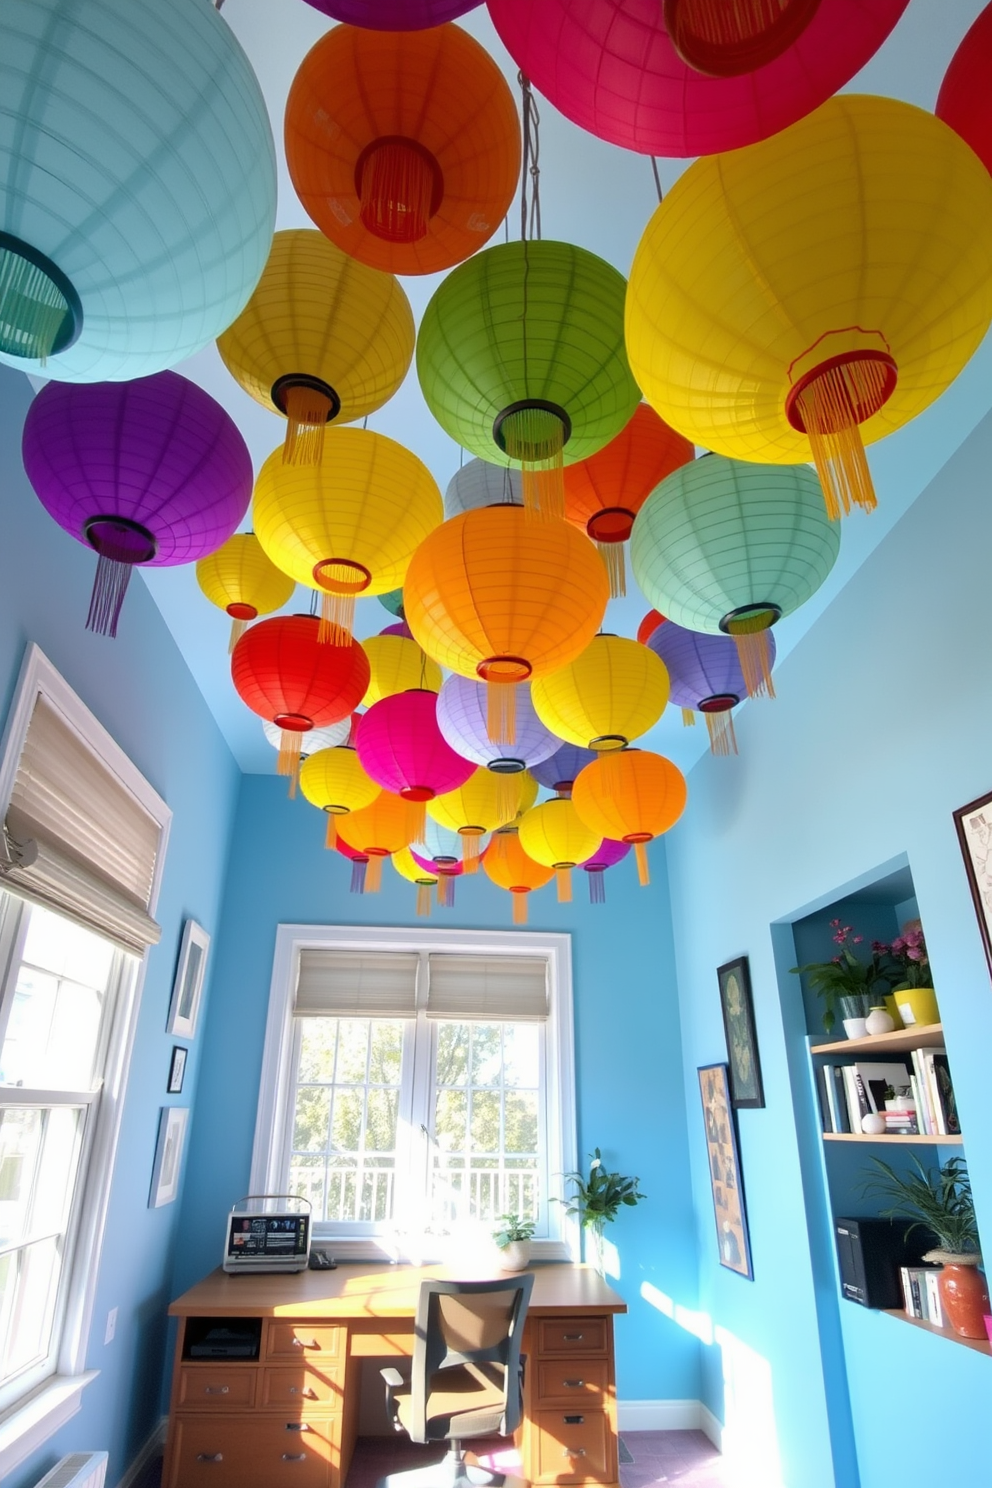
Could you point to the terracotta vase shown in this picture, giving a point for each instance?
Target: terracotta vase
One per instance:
(964, 1297)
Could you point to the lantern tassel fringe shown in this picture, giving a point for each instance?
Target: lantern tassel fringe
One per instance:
(507, 797)
(31, 308)
(536, 437)
(721, 24)
(307, 409)
(519, 898)
(755, 658)
(446, 891)
(373, 875)
(417, 818)
(616, 567)
(563, 882)
(470, 852)
(688, 718)
(396, 191)
(423, 899)
(723, 739)
(832, 406)
(109, 589)
(641, 858)
(501, 712)
(331, 834)
(358, 867)
(290, 750)
(238, 628)
(597, 885)
(337, 619)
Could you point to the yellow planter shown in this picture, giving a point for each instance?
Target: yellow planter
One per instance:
(917, 1005)
(892, 1008)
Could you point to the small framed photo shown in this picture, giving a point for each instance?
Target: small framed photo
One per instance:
(742, 1042)
(187, 989)
(168, 1155)
(725, 1171)
(974, 828)
(177, 1070)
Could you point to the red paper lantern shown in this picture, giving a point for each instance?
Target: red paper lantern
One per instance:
(965, 98)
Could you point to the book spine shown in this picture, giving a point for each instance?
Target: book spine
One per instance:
(933, 1098)
(945, 1094)
(920, 1092)
(914, 1284)
(851, 1095)
(934, 1309)
(823, 1083)
(907, 1290)
(840, 1100)
(861, 1091)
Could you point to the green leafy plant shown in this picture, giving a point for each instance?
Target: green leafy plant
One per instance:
(511, 1227)
(598, 1197)
(940, 1201)
(847, 975)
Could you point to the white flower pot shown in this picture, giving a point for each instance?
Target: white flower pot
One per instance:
(855, 1027)
(515, 1256)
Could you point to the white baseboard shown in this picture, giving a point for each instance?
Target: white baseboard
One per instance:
(709, 1424)
(151, 1448)
(669, 1415)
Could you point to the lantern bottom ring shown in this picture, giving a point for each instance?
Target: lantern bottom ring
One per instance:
(45, 295)
(611, 525)
(525, 405)
(240, 611)
(719, 702)
(335, 576)
(471, 831)
(636, 837)
(507, 766)
(290, 380)
(443, 861)
(417, 793)
(333, 809)
(859, 405)
(606, 742)
(293, 723)
(747, 619)
(120, 538)
(730, 40)
(505, 669)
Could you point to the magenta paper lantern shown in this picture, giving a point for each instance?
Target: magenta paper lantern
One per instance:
(149, 472)
(401, 748)
(394, 15)
(607, 855)
(400, 628)
(610, 66)
(463, 720)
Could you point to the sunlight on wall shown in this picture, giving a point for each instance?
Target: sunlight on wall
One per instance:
(699, 1324)
(750, 1441)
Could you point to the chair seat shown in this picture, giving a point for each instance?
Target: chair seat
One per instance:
(463, 1400)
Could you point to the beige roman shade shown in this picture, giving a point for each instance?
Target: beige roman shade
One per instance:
(356, 984)
(494, 988)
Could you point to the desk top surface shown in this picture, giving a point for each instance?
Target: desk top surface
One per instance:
(376, 1290)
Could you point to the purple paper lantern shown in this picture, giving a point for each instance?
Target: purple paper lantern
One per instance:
(401, 748)
(394, 15)
(705, 676)
(400, 628)
(462, 717)
(146, 472)
(606, 855)
(559, 771)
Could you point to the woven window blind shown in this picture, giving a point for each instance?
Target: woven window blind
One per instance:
(494, 988)
(97, 846)
(357, 984)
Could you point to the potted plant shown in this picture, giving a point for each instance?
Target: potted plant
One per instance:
(912, 978)
(597, 1200)
(513, 1236)
(847, 981)
(942, 1203)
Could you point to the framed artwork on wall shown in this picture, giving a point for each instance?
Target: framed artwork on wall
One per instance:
(742, 1043)
(187, 989)
(974, 828)
(177, 1070)
(168, 1155)
(732, 1238)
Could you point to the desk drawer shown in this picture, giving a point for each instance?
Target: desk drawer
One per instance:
(303, 1340)
(575, 1335)
(584, 1381)
(313, 1382)
(246, 1452)
(216, 1388)
(573, 1446)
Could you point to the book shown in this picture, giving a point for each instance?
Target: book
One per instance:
(945, 1094)
(840, 1101)
(824, 1089)
(907, 1290)
(917, 1294)
(920, 1092)
(876, 1077)
(857, 1100)
(934, 1309)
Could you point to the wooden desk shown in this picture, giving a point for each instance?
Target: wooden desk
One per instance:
(288, 1417)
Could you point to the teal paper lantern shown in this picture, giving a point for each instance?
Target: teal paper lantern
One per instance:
(137, 184)
(726, 546)
(521, 359)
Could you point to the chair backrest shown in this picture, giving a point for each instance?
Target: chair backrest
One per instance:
(470, 1322)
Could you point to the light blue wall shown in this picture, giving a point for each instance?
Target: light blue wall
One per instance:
(139, 688)
(880, 730)
(628, 1060)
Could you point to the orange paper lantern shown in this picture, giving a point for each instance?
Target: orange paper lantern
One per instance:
(510, 868)
(630, 796)
(376, 832)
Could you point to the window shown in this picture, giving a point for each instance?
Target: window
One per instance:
(417, 1084)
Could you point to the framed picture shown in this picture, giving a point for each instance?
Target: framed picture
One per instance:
(168, 1155)
(974, 828)
(187, 989)
(742, 1042)
(725, 1170)
(177, 1070)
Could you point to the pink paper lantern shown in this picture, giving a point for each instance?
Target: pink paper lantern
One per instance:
(402, 749)
(607, 854)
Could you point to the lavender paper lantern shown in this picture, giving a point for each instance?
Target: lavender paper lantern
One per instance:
(606, 855)
(401, 748)
(146, 472)
(394, 15)
(706, 677)
(441, 853)
(558, 772)
(462, 717)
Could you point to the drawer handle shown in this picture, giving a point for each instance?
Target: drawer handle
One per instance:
(217, 1390)
(297, 1426)
(574, 1420)
(301, 1343)
(573, 1337)
(294, 1456)
(210, 1456)
(573, 1452)
(306, 1392)
(573, 1384)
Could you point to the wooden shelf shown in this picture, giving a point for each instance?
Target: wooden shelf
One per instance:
(886, 1137)
(900, 1041)
(980, 1345)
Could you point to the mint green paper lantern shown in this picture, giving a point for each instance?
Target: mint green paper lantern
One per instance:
(726, 546)
(137, 184)
(521, 359)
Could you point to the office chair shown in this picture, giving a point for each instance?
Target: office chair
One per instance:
(466, 1379)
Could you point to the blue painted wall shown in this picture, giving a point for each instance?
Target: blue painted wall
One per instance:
(628, 1063)
(880, 730)
(140, 689)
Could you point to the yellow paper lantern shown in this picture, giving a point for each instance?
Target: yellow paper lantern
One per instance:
(486, 801)
(554, 835)
(350, 524)
(630, 796)
(333, 780)
(614, 692)
(511, 868)
(240, 580)
(377, 831)
(398, 665)
(322, 339)
(407, 867)
(809, 294)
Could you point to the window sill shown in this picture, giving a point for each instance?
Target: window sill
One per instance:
(29, 1424)
(429, 1252)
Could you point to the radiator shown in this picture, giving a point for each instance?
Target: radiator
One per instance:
(78, 1470)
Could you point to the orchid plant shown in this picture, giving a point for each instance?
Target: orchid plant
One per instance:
(847, 974)
(912, 968)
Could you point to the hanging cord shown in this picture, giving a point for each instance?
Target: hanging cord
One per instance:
(657, 178)
(530, 201)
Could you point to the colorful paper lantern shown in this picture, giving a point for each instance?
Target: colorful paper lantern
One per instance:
(435, 856)
(810, 294)
(333, 780)
(509, 867)
(150, 472)
(558, 773)
(376, 832)
(484, 803)
(285, 674)
(630, 796)
(402, 748)
(397, 664)
(318, 738)
(649, 625)
(348, 525)
(604, 493)
(727, 547)
(494, 595)
(359, 865)
(240, 580)
(480, 484)
(462, 715)
(393, 601)
(394, 15)
(965, 98)
(607, 855)
(706, 677)
(323, 338)
(612, 693)
(554, 835)
(689, 77)
(404, 147)
(521, 360)
(407, 867)
(137, 185)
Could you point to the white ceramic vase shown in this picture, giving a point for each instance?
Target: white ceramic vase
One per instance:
(879, 1020)
(515, 1256)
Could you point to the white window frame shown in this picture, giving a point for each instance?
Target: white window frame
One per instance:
(28, 1423)
(273, 1126)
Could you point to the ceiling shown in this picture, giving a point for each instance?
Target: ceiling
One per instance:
(600, 197)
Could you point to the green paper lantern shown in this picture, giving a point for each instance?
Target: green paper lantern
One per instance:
(521, 359)
(726, 546)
